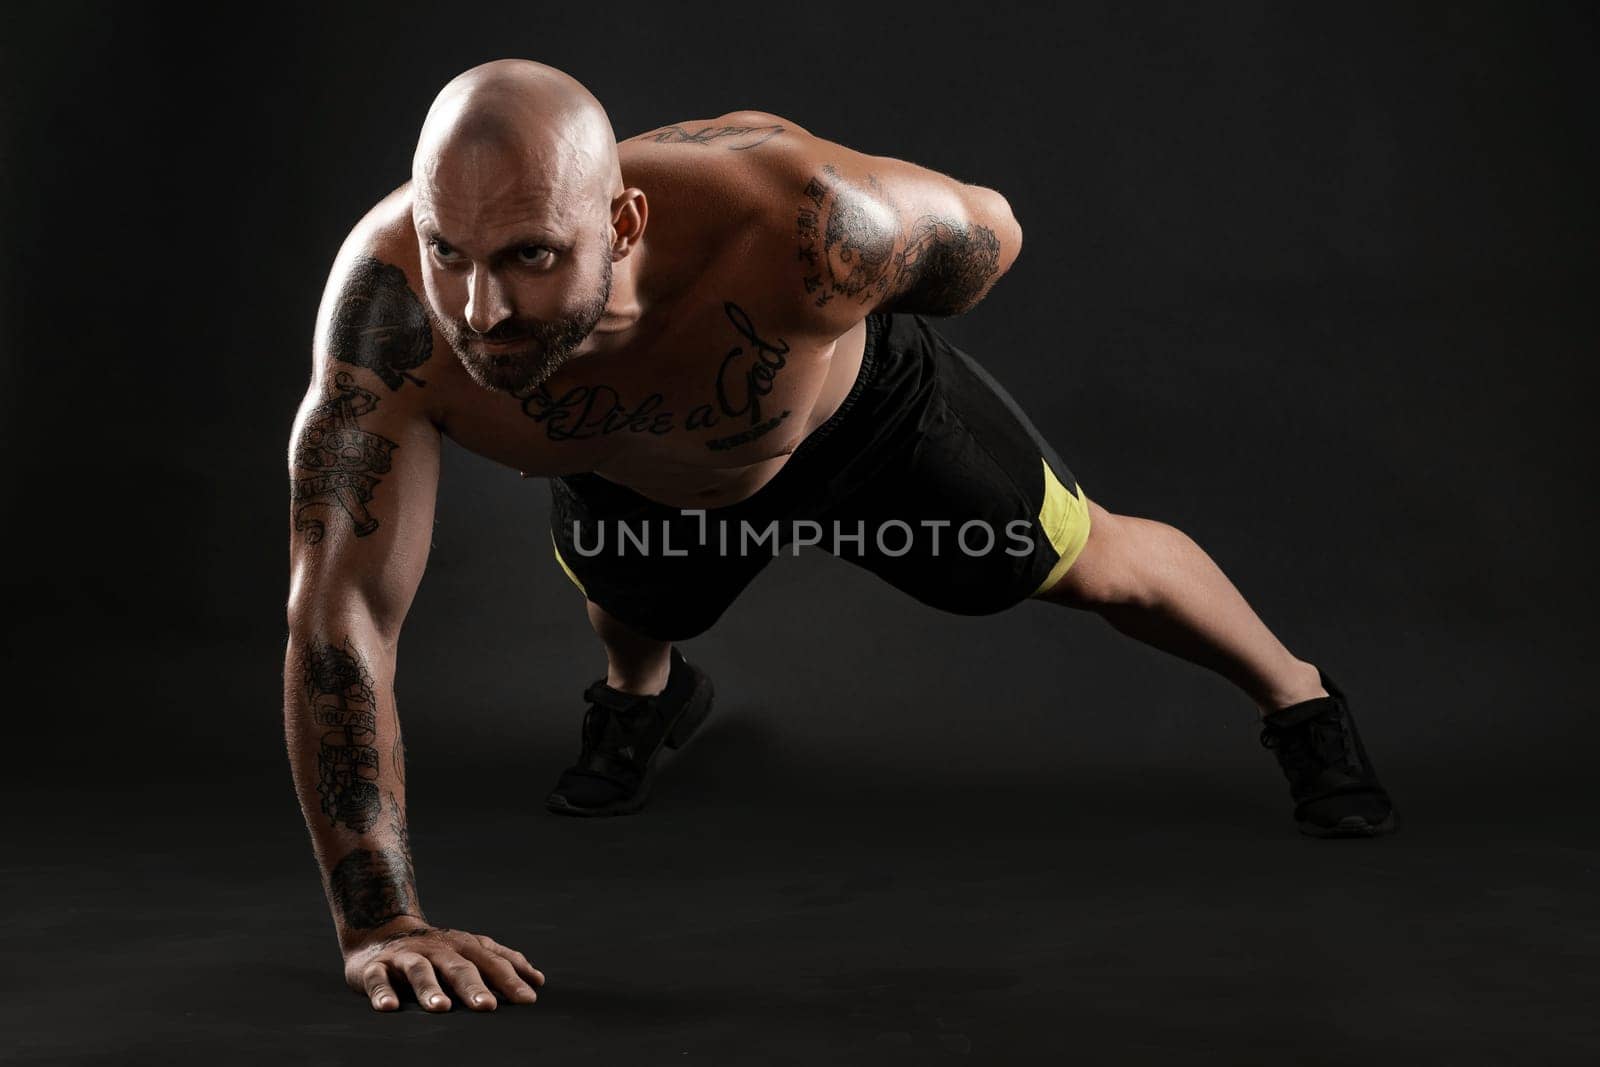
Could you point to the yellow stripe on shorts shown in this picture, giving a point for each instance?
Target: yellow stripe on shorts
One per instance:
(564, 566)
(1064, 518)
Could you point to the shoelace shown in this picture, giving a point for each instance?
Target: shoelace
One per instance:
(1307, 749)
(606, 731)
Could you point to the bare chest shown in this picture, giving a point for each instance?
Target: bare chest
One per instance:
(701, 411)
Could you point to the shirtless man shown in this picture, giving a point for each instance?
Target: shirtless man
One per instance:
(711, 332)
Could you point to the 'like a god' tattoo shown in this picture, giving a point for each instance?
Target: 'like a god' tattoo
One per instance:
(852, 245)
(378, 323)
(746, 375)
(372, 887)
(740, 137)
(339, 689)
(340, 461)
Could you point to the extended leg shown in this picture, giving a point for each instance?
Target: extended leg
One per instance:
(1152, 582)
(634, 663)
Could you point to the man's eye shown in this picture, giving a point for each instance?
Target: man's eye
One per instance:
(442, 250)
(533, 255)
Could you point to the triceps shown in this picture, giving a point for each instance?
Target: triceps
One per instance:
(945, 267)
(855, 243)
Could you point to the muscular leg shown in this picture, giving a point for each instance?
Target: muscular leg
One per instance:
(1152, 582)
(634, 663)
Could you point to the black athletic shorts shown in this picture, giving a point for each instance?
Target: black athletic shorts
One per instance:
(929, 475)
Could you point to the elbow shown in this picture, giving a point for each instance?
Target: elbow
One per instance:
(958, 257)
(347, 613)
(990, 209)
(1016, 239)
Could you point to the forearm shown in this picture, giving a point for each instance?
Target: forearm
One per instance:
(343, 737)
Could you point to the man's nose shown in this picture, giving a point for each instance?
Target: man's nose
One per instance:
(487, 306)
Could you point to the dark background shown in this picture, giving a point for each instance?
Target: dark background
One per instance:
(1311, 283)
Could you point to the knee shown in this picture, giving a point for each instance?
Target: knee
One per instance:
(1108, 570)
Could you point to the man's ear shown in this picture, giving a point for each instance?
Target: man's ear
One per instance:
(629, 214)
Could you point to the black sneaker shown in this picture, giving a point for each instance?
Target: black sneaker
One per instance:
(622, 735)
(1334, 786)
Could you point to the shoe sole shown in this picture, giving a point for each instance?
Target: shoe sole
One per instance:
(1353, 826)
(694, 712)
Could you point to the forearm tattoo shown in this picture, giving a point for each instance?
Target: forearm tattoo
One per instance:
(852, 245)
(740, 137)
(379, 324)
(402, 837)
(339, 690)
(369, 888)
(372, 886)
(398, 755)
(745, 375)
(339, 461)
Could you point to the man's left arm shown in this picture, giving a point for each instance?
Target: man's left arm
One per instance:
(871, 233)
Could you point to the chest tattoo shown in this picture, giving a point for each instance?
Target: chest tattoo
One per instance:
(745, 375)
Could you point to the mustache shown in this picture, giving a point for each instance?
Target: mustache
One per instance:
(504, 331)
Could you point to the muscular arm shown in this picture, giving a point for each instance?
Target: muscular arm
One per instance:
(870, 233)
(364, 470)
(363, 467)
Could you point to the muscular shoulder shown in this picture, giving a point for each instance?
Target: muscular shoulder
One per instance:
(373, 323)
(840, 233)
(752, 179)
(734, 131)
(832, 234)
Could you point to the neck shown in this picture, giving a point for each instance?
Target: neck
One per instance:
(626, 307)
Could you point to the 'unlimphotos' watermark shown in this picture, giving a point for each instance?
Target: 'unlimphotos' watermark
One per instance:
(893, 537)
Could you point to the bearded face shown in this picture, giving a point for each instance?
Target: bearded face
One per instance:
(519, 354)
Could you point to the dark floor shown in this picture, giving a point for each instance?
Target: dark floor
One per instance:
(795, 916)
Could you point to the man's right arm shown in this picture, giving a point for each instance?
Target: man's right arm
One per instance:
(363, 470)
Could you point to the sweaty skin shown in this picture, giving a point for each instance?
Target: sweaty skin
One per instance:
(674, 312)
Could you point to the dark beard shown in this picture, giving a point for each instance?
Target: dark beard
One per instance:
(547, 345)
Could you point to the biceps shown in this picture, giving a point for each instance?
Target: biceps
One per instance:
(361, 495)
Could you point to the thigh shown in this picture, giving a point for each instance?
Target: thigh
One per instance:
(1106, 569)
(646, 564)
(975, 511)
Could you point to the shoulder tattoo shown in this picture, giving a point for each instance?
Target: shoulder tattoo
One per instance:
(379, 324)
(735, 138)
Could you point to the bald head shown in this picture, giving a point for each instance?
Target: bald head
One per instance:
(519, 209)
(516, 118)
